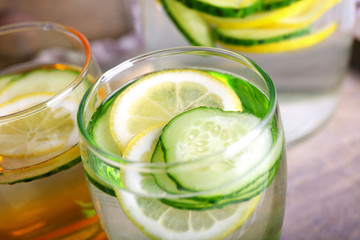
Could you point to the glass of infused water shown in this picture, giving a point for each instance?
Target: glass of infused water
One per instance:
(45, 69)
(304, 46)
(185, 143)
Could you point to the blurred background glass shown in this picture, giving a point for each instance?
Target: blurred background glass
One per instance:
(108, 24)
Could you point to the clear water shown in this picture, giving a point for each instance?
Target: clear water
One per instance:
(308, 83)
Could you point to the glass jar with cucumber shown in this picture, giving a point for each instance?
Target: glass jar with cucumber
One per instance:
(304, 45)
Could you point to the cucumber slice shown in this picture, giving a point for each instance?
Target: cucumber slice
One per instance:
(250, 191)
(99, 128)
(258, 185)
(190, 23)
(222, 8)
(42, 80)
(43, 169)
(273, 4)
(109, 176)
(162, 179)
(261, 176)
(199, 134)
(253, 190)
(96, 181)
(255, 36)
(6, 78)
(99, 131)
(301, 42)
(262, 18)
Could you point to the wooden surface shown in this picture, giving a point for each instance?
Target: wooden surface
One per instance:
(323, 195)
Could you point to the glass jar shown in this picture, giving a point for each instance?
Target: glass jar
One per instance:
(307, 58)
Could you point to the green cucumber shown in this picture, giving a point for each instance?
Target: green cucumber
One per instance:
(196, 139)
(249, 192)
(258, 19)
(162, 179)
(43, 80)
(259, 183)
(255, 36)
(257, 176)
(99, 130)
(107, 176)
(96, 181)
(46, 168)
(273, 4)
(4, 79)
(223, 8)
(167, 184)
(189, 22)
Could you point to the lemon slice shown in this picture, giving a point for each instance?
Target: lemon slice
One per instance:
(159, 96)
(306, 17)
(260, 18)
(40, 133)
(158, 220)
(287, 45)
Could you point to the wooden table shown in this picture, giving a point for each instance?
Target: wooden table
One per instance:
(323, 195)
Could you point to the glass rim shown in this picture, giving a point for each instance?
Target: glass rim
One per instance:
(50, 26)
(118, 161)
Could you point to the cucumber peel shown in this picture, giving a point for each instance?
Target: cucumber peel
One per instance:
(43, 169)
(293, 44)
(189, 22)
(224, 9)
(255, 36)
(259, 182)
(258, 19)
(274, 4)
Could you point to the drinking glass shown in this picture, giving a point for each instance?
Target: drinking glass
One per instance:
(111, 29)
(303, 45)
(185, 143)
(45, 69)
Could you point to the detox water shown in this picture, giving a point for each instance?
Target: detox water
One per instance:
(105, 180)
